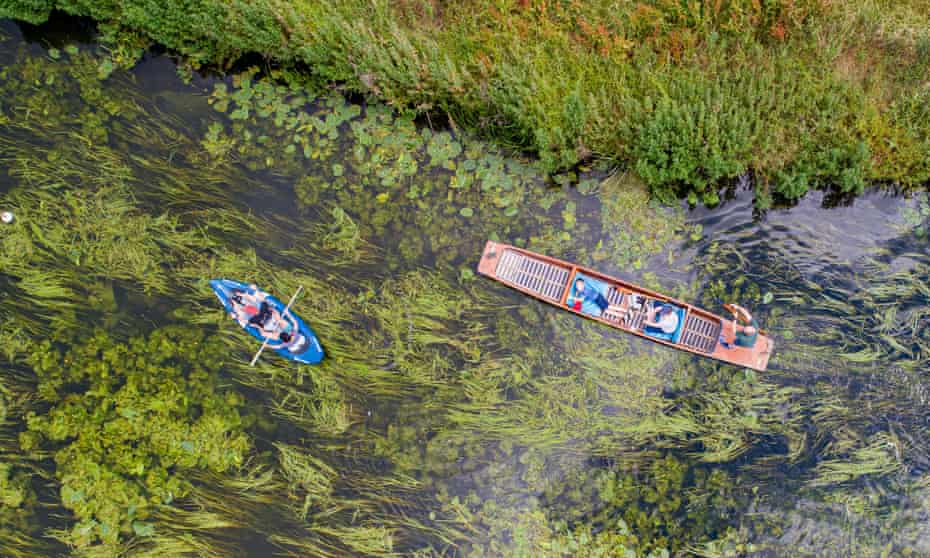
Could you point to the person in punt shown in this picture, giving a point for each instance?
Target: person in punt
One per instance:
(582, 292)
(745, 329)
(663, 317)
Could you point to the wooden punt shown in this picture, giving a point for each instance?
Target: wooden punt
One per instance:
(621, 305)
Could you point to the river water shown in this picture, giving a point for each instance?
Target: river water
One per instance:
(457, 417)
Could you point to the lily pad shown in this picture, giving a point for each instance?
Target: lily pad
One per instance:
(143, 529)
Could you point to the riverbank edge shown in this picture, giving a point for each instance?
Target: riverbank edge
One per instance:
(801, 108)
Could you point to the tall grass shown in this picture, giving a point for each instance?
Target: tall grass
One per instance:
(805, 93)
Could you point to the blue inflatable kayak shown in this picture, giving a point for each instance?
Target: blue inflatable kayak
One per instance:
(299, 343)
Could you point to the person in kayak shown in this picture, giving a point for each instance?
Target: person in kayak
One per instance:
(263, 316)
(250, 308)
(294, 341)
(288, 334)
(244, 307)
(276, 324)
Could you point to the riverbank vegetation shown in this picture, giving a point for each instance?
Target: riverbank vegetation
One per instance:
(806, 94)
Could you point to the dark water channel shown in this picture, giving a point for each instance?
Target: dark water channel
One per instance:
(453, 416)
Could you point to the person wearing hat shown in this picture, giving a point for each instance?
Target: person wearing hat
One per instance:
(745, 328)
(662, 317)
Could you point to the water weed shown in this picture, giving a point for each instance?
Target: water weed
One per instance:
(450, 417)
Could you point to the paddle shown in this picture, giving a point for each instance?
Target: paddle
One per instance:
(284, 317)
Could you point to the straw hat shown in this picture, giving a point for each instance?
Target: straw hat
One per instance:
(741, 313)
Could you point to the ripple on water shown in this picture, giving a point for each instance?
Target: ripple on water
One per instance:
(818, 241)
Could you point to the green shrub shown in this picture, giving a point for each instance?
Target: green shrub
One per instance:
(33, 11)
(687, 94)
(840, 165)
(695, 131)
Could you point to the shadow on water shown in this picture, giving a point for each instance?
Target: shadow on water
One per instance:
(59, 31)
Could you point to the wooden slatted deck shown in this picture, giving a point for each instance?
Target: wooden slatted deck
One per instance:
(700, 333)
(616, 312)
(542, 278)
(637, 318)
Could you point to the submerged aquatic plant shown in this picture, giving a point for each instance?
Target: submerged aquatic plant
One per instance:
(18, 527)
(725, 424)
(451, 416)
(880, 456)
(309, 479)
(127, 420)
(344, 237)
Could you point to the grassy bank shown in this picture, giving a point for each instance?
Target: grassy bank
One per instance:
(806, 93)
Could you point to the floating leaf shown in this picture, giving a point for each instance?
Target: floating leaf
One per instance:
(105, 68)
(697, 232)
(466, 212)
(143, 529)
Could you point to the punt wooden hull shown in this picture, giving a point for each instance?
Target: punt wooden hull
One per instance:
(620, 305)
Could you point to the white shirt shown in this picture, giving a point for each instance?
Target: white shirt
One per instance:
(668, 322)
(297, 343)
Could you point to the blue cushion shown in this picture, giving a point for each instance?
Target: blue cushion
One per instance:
(673, 336)
(587, 306)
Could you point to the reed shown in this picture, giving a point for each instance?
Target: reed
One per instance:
(310, 479)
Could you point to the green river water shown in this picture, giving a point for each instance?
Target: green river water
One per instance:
(452, 416)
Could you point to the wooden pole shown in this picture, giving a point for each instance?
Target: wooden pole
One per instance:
(283, 317)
